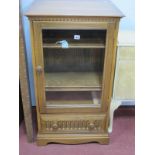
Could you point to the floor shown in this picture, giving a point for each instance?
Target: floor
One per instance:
(121, 140)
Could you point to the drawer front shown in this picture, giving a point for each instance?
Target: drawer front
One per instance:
(73, 123)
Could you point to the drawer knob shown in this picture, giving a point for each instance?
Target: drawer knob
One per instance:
(55, 126)
(91, 126)
(39, 69)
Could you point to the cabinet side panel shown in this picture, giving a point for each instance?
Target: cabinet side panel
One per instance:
(109, 68)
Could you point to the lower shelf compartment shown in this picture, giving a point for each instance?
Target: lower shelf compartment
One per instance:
(73, 98)
(73, 81)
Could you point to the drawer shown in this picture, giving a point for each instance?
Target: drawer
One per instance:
(73, 123)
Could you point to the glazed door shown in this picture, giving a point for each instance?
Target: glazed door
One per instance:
(70, 61)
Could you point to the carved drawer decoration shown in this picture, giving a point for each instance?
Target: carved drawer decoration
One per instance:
(70, 124)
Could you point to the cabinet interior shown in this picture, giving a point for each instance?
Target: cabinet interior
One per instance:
(76, 69)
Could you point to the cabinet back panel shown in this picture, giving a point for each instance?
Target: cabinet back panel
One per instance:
(51, 36)
(73, 60)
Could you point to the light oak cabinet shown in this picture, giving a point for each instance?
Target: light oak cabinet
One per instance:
(74, 50)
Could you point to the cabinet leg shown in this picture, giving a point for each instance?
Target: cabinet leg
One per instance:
(114, 105)
(41, 143)
(103, 142)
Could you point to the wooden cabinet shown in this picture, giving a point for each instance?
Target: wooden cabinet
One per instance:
(74, 50)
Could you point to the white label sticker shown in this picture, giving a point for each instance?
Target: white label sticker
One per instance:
(77, 37)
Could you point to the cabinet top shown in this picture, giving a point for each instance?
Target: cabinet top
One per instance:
(103, 8)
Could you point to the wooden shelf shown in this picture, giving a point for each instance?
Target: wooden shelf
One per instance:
(85, 43)
(75, 45)
(67, 98)
(73, 81)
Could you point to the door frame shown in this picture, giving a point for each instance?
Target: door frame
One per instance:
(108, 63)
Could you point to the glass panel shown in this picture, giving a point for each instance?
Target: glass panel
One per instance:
(73, 65)
(74, 38)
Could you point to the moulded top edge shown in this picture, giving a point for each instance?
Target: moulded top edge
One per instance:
(101, 8)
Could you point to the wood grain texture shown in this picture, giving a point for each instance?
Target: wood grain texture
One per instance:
(24, 87)
(86, 19)
(69, 80)
(74, 8)
(61, 124)
(113, 50)
(34, 60)
(44, 139)
(74, 45)
(74, 98)
(70, 123)
(38, 26)
(74, 60)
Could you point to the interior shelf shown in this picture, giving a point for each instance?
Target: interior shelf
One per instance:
(73, 81)
(78, 44)
(75, 38)
(65, 98)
